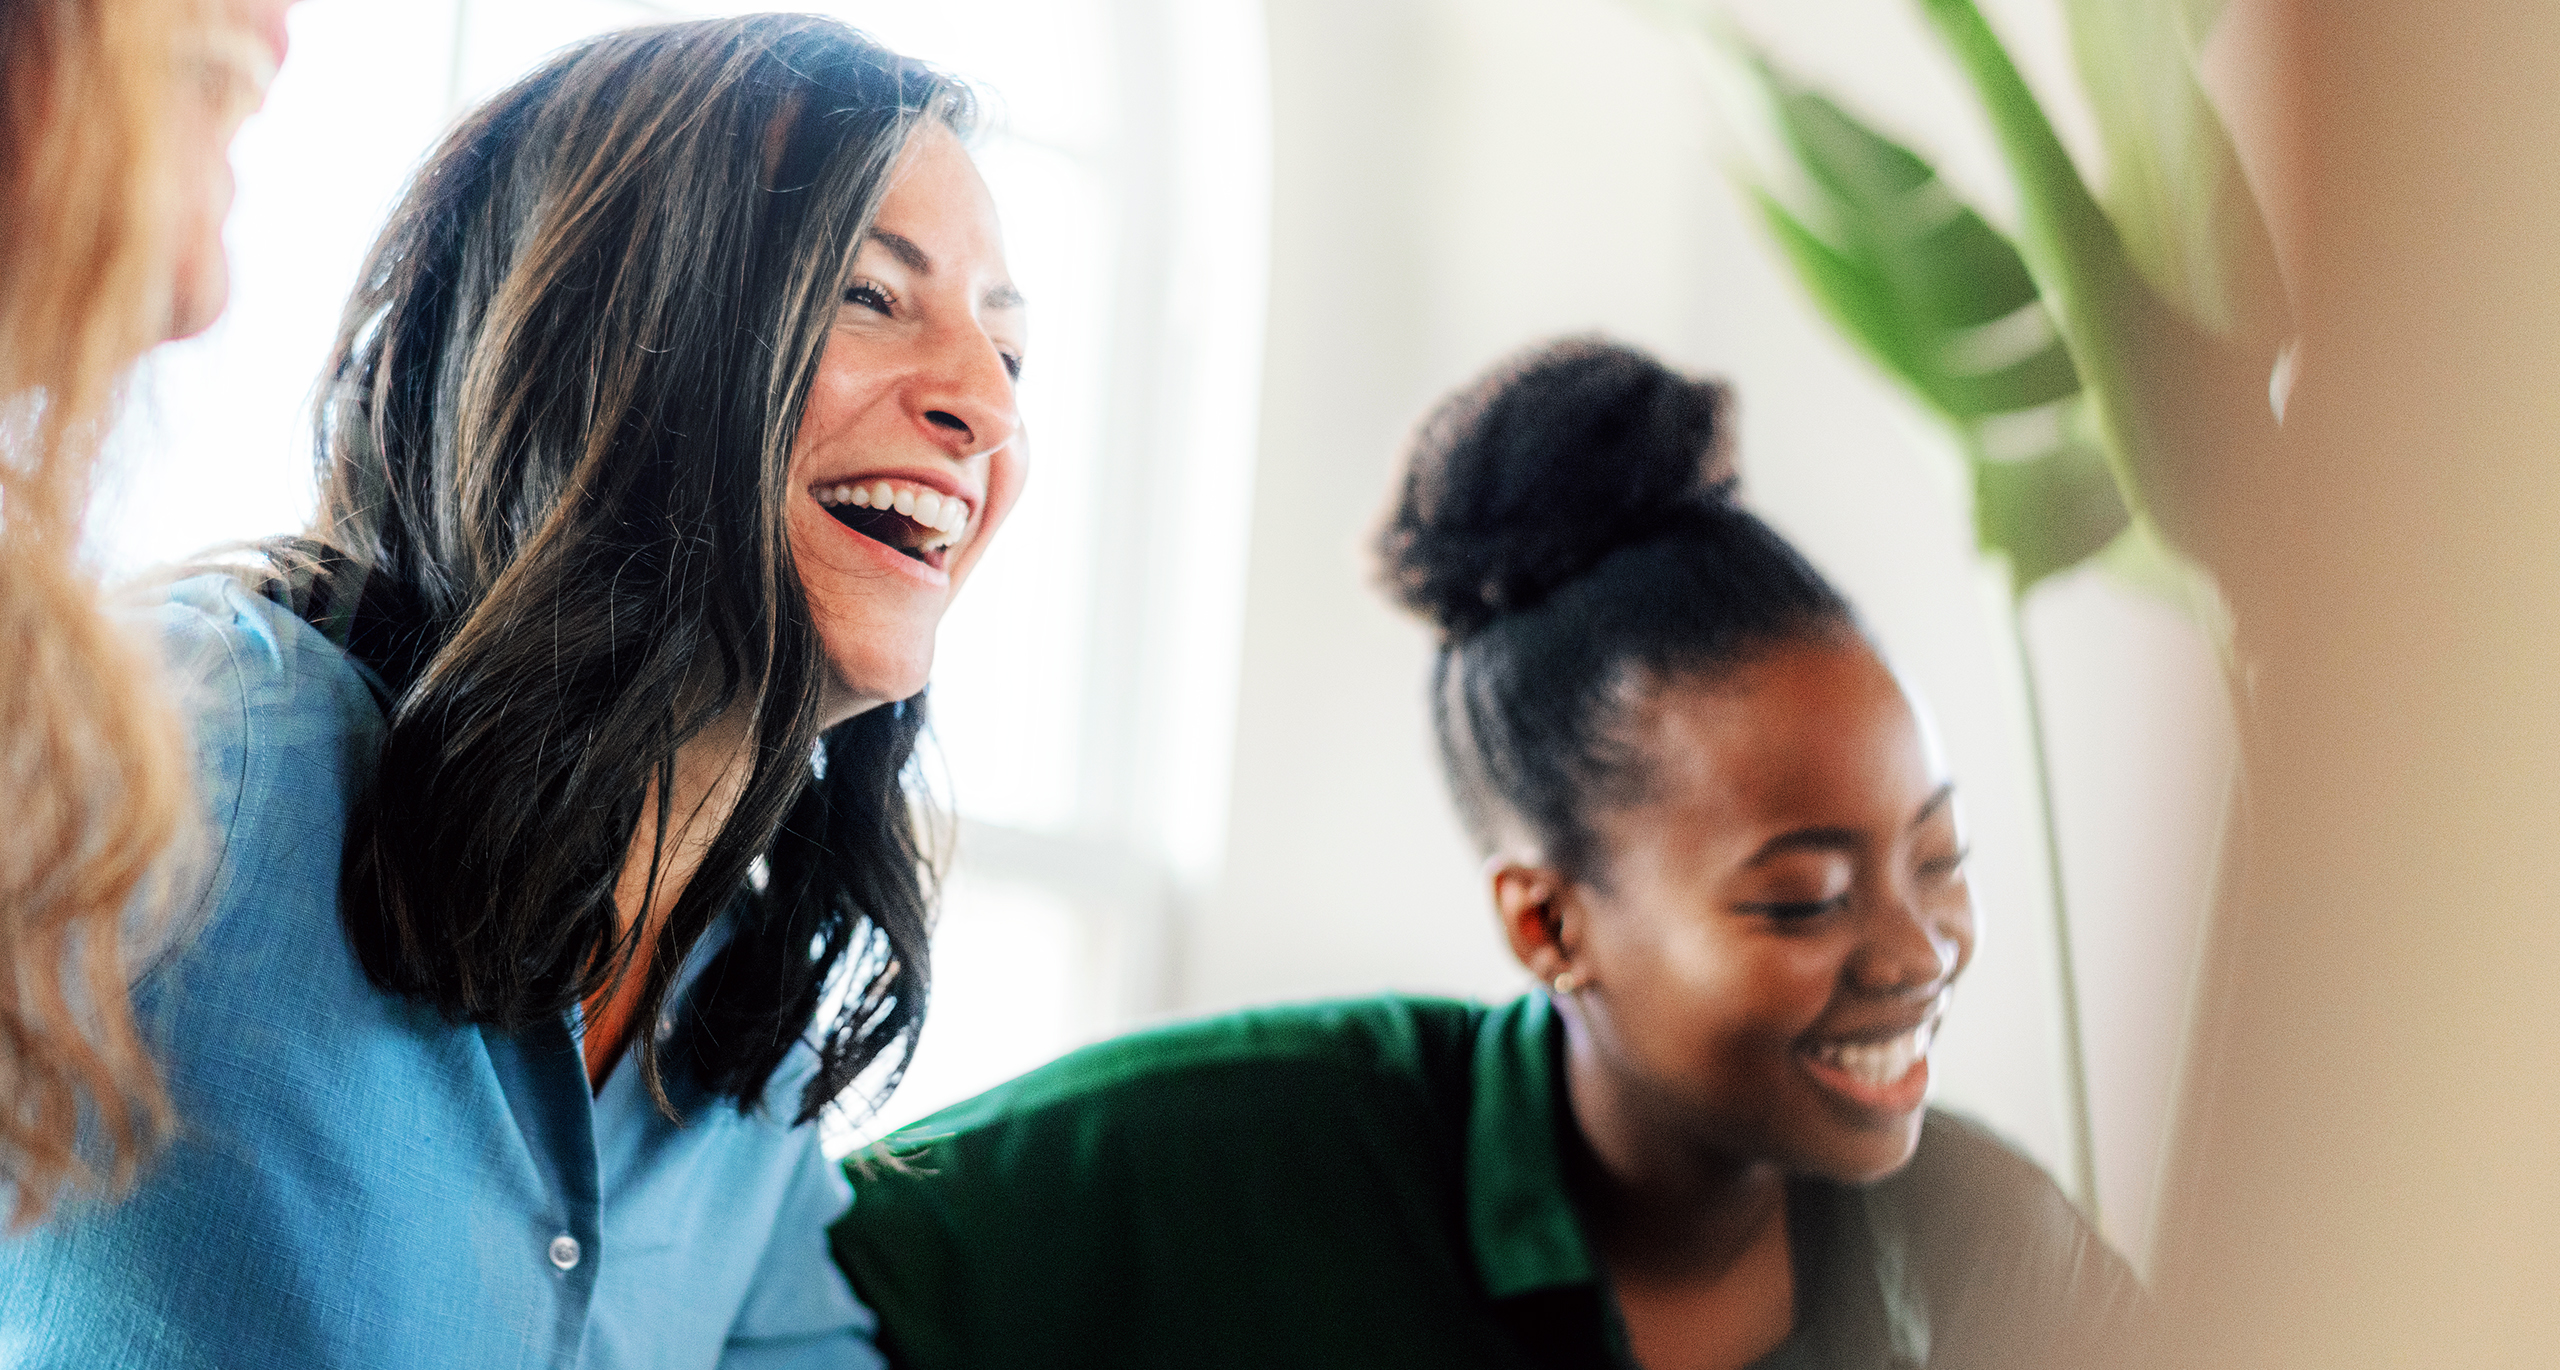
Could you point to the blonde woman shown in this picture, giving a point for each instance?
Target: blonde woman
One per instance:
(114, 118)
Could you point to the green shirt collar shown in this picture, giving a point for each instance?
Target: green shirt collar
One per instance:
(1858, 1299)
(1524, 1230)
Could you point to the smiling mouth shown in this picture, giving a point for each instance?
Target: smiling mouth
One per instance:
(1878, 1064)
(1879, 1078)
(908, 519)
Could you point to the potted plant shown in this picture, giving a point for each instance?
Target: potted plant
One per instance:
(2106, 373)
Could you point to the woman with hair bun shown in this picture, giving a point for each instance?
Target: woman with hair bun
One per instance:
(1718, 832)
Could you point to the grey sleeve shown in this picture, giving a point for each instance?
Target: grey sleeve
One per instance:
(2014, 1276)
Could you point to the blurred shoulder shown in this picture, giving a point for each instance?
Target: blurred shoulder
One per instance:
(1967, 1192)
(254, 682)
(1962, 1161)
(228, 645)
(2014, 1273)
(284, 728)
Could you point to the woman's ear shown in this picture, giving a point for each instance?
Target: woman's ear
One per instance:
(1541, 918)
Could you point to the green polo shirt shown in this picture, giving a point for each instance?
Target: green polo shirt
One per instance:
(1381, 1182)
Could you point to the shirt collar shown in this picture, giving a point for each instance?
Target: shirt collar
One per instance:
(1523, 1228)
(1858, 1298)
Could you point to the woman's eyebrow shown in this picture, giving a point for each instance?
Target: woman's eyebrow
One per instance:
(1842, 839)
(1808, 839)
(914, 259)
(904, 249)
(1936, 802)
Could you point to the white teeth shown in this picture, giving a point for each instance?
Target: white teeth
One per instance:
(1877, 1064)
(929, 508)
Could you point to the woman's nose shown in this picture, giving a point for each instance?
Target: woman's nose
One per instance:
(964, 396)
(1906, 951)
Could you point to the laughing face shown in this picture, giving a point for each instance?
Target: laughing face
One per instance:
(1782, 915)
(910, 450)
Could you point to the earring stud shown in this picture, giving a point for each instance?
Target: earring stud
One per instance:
(1567, 981)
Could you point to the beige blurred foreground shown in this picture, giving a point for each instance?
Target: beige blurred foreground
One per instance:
(2368, 1155)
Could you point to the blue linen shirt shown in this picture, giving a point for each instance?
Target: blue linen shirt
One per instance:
(359, 1182)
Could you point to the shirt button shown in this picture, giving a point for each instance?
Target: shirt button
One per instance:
(564, 1251)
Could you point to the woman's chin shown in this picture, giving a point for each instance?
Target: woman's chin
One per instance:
(201, 294)
(1870, 1156)
(865, 684)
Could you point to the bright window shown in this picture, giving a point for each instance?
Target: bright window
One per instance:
(1083, 681)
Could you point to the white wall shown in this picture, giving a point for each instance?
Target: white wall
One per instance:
(1454, 178)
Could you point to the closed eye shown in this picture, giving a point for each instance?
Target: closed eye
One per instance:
(1795, 910)
(1945, 867)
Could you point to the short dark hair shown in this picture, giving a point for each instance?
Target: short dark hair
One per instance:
(1567, 522)
(554, 439)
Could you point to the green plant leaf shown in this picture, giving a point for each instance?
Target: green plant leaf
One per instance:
(2047, 512)
(1929, 287)
(2174, 187)
(1854, 295)
(2172, 404)
(1944, 303)
(1941, 300)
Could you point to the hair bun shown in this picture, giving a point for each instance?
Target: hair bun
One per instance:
(1541, 468)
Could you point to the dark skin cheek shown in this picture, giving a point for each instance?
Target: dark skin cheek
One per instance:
(1717, 1045)
(1702, 1041)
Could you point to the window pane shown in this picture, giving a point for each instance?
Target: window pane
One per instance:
(1010, 967)
(216, 445)
(1009, 670)
(504, 39)
(1046, 63)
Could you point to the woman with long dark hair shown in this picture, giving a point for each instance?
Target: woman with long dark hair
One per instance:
(1716, 828)
(565, 866)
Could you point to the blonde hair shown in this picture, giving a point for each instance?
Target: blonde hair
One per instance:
(93, 768)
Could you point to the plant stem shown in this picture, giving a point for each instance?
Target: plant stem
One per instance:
(2075, 1053)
